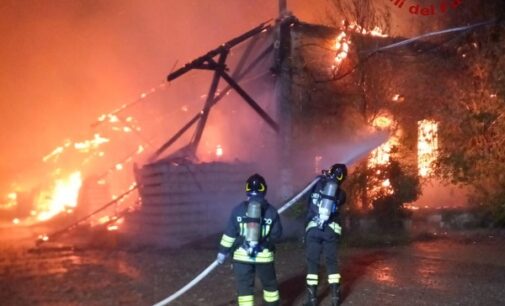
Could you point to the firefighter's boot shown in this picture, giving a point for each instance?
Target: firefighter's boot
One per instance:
(311, 296)
(335, 294)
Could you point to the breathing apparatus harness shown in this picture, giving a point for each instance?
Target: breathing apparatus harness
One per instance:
(252, 237)
(326, 198)
(256, 189)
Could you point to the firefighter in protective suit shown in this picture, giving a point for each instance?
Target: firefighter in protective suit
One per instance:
(253, 228)
(322, 232)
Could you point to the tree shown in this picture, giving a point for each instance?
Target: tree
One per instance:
(473, 133)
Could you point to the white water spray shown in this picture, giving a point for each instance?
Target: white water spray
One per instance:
(349, 152)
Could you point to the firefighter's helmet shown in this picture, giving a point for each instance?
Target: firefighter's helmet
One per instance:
(256, 186)
(338, 172)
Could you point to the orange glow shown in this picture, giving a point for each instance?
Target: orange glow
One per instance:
(384, 274)
(61, 197)
(15, 221)
(317, 164)
(427, 146)
(12, 196)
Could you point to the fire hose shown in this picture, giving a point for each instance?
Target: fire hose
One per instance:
(189, 285)
(215, 263)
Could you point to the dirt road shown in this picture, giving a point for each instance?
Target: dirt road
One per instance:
(457, 271)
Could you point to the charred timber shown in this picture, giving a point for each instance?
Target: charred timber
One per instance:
(239, 75)
(200, 62)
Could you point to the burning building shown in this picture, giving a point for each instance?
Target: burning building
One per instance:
(308, 89)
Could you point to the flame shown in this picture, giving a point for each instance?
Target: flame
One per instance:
(104, 219)
(427, 146)
(61, 198)
(219, 151)
(11, 201)
(43, 237)
(381, 156)
(411, 206)
(341, 48)
(83, 147)
(114, 226)
(343, 40)
(140, 149)
(54, 154)
(87, 145)
(376, 31)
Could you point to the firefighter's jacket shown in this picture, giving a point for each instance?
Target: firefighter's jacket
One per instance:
(313, 209)
(234, 236)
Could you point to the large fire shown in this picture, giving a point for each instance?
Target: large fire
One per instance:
(57, 193)
(60, 198)
(343, 41)
(381, 157)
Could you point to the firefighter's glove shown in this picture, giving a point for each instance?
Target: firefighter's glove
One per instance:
(221, 257)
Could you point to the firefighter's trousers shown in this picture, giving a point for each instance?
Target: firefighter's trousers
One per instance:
(324, 241)
(245, 275)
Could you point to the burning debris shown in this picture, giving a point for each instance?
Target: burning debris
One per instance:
(61, 198)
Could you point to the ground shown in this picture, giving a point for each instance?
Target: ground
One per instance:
(463, 269)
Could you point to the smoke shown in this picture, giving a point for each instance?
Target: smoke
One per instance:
(63, 63)
(66, 62)
(346, 148)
